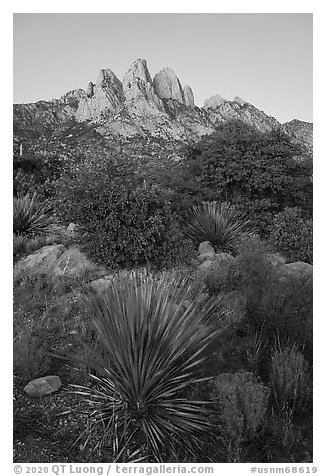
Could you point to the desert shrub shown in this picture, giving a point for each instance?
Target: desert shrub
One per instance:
(151, 351)
(49, 312)
(219, 223)
(30, 358)
(292, 233)
(241, 403)
(125, 222)
(30, 217)
(255, 271)
(287, 310)
(238, 163)
(19, 246)
(290, 379)
(36, 172)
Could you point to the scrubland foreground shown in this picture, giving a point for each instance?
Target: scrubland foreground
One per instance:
(163, 309)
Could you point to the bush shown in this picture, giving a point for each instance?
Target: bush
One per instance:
(255, 272)
(219, 223)
(125, 223)
(150, 353)
(293, 234)
(30, 355)
(31, 218)
(239, 163)
(241, 402)
(290, 379)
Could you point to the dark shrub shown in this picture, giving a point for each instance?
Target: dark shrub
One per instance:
(30, 217)
(125, 222)
(292, 233)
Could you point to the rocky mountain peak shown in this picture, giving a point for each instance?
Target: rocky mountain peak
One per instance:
(101, 98)
(188, 95)
(138, 90)
(167, 85)
(137, 73)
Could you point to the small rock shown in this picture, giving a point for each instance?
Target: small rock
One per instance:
(43, 386)
(72, 227)
(101, 285)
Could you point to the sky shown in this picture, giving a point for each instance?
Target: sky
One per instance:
(264, 58)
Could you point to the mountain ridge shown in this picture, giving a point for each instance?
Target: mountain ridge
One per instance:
(142, 106)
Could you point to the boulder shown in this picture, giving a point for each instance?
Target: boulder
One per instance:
(73, 263)
(43, 386)
(42, 261)
(205, 247)
(298, 270)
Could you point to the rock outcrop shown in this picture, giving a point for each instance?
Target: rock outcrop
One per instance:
(167, 85)
(138, 90)
(56, 260)
(214, 101)
(101, 99)
(188, 96)
(239, 101)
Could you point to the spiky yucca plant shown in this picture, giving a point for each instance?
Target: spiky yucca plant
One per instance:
(219, 223)
(151, 352)
(31, 218)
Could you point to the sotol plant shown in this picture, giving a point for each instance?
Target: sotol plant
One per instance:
(31, 218)
(219, 223)
(151, 352)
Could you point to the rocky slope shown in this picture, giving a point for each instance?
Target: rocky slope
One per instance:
(139, 106)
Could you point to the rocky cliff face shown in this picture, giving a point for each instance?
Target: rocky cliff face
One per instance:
(141, 106)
